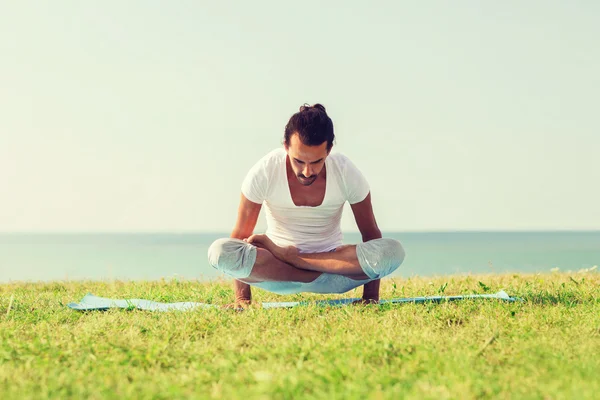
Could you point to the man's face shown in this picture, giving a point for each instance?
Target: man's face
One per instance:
(306, 161)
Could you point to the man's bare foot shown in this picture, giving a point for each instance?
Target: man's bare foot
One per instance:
(282, 253)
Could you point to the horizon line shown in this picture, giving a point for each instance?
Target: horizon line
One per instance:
(191, 232)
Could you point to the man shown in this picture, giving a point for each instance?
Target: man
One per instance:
(304, 188)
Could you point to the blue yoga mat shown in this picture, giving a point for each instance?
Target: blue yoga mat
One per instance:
(91, 302)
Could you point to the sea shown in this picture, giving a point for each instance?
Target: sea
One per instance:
(34, 257)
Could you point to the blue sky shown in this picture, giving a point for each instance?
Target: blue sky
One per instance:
(146, 115)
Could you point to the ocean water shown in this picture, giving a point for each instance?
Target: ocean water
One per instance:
(148, 256)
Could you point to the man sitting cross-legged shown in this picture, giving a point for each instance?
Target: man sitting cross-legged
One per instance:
(304, 187)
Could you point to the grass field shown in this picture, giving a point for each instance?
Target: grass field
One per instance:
(546, 347)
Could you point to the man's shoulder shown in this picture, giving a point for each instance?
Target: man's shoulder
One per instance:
(352, 180)
(277, 153)
(337, 156)
(270, 161)
(345, 167)
(339, 159)
(263, 175)
(274, 156)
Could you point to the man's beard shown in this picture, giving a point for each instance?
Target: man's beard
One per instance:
(306, 181)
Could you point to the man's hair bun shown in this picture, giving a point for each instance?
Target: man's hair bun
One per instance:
(306, 107)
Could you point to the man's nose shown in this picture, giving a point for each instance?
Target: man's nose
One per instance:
(307, 171)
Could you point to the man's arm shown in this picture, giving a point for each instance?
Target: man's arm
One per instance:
(246, 222)
(365, 220)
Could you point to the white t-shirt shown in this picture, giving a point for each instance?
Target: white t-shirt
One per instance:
(310, 229)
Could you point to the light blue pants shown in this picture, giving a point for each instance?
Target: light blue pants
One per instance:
(377, 258)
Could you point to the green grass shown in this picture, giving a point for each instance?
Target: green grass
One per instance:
(546, 347)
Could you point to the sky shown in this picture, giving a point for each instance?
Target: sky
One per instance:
(146, 115)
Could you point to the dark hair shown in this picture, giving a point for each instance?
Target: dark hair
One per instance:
(313, 126)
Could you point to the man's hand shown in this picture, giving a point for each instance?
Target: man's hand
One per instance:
(363, 302)
(371, 291)
(285, 254)
(239, 305)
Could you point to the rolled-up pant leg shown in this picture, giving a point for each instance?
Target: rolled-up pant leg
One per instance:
(234, 257)
(380, 257)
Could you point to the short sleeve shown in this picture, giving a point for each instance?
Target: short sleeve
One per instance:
(255, 185)
(357, 187)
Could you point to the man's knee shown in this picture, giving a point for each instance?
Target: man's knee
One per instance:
(232, 256)
(380, 257)
(397, 253)
(216, 249)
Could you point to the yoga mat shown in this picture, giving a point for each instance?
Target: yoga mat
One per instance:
(91, 302)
